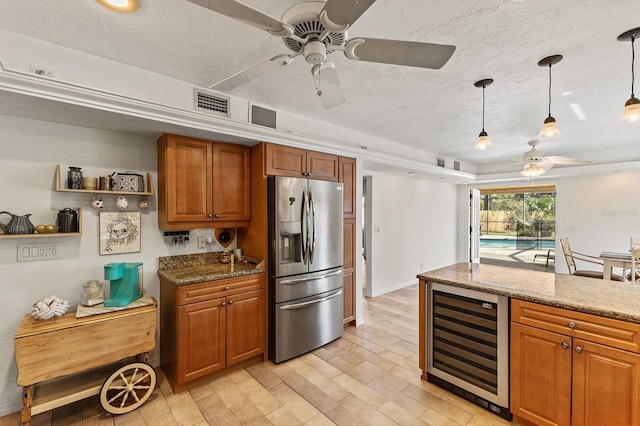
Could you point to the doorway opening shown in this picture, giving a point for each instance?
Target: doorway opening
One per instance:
(367, 229)
(517, 226)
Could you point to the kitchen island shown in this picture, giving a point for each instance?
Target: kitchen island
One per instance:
(574, 342)
(212, 317)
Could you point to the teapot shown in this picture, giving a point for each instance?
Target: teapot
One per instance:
(17, 224)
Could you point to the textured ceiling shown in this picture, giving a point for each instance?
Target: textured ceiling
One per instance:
(438, 111)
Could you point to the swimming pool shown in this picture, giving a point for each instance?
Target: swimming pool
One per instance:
(511, 243)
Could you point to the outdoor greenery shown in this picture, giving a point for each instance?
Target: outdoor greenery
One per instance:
(528, 207)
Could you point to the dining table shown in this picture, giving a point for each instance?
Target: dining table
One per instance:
(614, 260)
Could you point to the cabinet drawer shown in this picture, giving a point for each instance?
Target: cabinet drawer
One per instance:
(593, 328)
(208, 290)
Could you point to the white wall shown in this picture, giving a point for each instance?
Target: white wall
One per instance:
(414, 229)
(597, 213)
(30, 152)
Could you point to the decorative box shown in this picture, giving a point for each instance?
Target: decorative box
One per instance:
(130, 181)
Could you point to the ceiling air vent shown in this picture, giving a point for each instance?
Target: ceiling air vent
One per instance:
(263, 116)
(211, 103)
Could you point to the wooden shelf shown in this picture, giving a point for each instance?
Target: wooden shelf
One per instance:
(60, 188)
(52, 235)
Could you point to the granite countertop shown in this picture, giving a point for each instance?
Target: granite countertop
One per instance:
(198, 268)
(605, 298)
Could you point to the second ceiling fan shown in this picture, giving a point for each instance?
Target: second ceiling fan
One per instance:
(535, 164)
(315, 29)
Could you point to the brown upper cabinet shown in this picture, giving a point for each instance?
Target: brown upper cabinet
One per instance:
(347, 168)
(295, 162)
(202, 184)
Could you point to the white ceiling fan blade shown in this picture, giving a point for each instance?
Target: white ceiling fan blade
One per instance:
(247, 14)
(253, 72)
(328, 84)
(555, 159)
(545, 165)
(397, 52)
(345, 12)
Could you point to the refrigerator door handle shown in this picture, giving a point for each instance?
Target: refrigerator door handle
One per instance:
(304, 231)
(311, 302)
(312, 243)
(319, 277)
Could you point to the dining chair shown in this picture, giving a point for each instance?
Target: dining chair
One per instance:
(634, 272)
(571, 256)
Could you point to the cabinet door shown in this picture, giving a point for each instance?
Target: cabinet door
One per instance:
(540, 375)
(285, 161)
(347, 168)
(231, 182)
(606, 385)
(322, 166)
(201, 339)
(245, 326)
(349, 276)
(349, 297)
(185, 179)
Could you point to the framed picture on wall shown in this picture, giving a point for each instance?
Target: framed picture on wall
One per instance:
(119, 232)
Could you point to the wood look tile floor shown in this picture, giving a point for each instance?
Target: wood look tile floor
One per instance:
(370, 376)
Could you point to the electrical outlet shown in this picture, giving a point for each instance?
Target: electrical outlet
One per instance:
(45, 251)
(202, 242)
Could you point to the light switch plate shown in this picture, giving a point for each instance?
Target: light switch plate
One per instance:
(41, 251)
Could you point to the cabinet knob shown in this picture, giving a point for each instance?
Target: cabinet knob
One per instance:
(217, 215)
(564, 345)
(210, 216)
(224, 303)
(231, 303)
(226, 287)
(572, 324)
(578, 349)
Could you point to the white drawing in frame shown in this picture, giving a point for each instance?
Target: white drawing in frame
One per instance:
(119, 232)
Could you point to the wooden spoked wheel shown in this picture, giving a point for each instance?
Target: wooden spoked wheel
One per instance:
(128, 388)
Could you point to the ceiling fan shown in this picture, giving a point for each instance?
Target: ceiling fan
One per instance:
(315, 29)
(535, 164)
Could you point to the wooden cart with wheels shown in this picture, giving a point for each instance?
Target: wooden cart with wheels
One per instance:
(66, 359)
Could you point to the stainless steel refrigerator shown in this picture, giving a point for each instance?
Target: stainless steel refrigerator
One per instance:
(306, 304)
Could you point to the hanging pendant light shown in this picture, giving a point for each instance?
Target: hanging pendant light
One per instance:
(483, 138)
(121, 5)
(631, 110)
(549, 127)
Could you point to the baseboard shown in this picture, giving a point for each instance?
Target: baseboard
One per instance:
(393, 288)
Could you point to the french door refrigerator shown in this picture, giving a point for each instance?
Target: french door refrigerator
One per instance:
(306, 305)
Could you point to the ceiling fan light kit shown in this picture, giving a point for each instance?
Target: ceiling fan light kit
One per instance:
(483, 138)
(549, 127)
(315, 29)
(535, 164)
(532, 171)
(631, 112)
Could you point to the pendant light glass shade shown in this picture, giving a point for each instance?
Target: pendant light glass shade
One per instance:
(483, 141)
(483, 138)
(121, 5)
(631, 112)
(549, 127)
(532, 170)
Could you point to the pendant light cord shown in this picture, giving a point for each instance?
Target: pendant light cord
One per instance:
(549, 89)
(633, 59)
(483, 86)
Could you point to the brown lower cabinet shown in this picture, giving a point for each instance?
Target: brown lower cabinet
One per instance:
(570, 368)
(210, 328)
